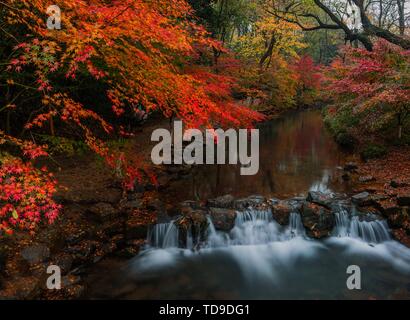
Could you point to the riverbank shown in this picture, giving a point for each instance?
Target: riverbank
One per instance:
(101, 221)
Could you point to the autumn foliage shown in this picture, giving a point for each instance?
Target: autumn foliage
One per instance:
(144, 56)
(371, 86)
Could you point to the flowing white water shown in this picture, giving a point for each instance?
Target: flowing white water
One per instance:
(164, 235)
(259, 258)
(367, 228)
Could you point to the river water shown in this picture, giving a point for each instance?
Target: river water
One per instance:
(258, 258)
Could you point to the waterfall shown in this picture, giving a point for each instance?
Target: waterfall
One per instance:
(323, 184)
(296, 227)
(164, 235)
(253, 216)
(369, 229)
(252, 227)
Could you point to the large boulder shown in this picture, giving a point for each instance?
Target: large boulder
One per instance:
(281, 211)
(320, 198)
(36, 254)
(223, 219)
(249, 202)
(399, 219)
(225, 201)
(362, 199)
(318, 221)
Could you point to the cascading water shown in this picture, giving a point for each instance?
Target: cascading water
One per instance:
(368, 229)
(259, 258)
(163, 235)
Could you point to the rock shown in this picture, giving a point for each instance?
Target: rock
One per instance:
(69, 280)
(36, 254)
(102, 211)
(76, 237)
(223, 219)
(365, 179)
(281, 211)
(320, 198)
(192, 222)
(350, 166)
(249, 202)
(135, 229)
(192, 204)
(362, 199)
(318, 221)
(387, 207)
(403, 199)
(396, 183)
(64, 261)
(222, 202)
(399, 219)
(346, 177)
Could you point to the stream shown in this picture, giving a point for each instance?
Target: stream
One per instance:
(258, 258)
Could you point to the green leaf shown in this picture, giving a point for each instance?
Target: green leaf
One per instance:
(15, 214)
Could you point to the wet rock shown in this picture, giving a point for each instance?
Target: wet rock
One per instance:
(365, 179)
(194, 223)
(351, 166)
(102, 211)
(396, 183)
(403, 199)
(64, 261)
(76, 237)
(223, 219)
(387, 207)
(281, 211)
(249, 202)
(191, 204)
(36, 254)
(225, 201)
(362, 199)
(318, 221)
(400, 218)
(322, 199)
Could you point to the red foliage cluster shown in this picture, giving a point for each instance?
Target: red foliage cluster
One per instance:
(25, 196)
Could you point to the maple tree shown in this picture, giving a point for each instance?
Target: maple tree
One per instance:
(374, 85)
(146, 55)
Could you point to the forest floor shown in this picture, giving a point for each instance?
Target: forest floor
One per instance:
(388, 181)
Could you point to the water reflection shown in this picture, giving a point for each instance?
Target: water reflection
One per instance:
(296, 154)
